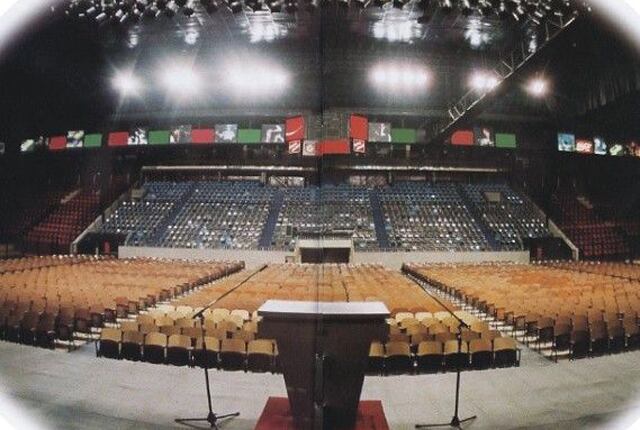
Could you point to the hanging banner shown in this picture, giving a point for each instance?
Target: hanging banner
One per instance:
(295, 128)
(294, 147)
(359, 146)
(309, 148)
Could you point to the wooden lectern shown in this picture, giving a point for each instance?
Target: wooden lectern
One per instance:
(323, 351)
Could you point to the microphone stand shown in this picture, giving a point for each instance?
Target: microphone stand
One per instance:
(212, 417)
(456, 421)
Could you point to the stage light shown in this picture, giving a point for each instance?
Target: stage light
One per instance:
(537, 87)
(398, 77)
(126, 83)
(191, 37)
(256, 78)
(180, 81)
(396, 30)
(483, 81)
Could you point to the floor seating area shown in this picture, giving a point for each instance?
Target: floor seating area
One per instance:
(422, 334)
(424, 216)
(556, 311)
(510, 217)
(615, 269)
(44, 304)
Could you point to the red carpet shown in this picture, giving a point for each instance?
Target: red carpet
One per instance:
(276, 416)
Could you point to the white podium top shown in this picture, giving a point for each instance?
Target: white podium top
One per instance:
(341, 310)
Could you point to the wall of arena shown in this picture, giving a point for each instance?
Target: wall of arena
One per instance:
(255, 258)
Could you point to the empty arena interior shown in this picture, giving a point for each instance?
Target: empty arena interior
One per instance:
(470, 166)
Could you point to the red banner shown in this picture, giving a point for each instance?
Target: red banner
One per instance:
(463, 138)
(118, 138)
(358, 127)
(56, 143)
(203, 136)
(295, 129)
(334, 147)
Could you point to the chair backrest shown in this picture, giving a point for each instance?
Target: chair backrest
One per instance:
(155, 339)
(133, 337)
(430, 347)
(170, 330)
(165, 321)
(212, 343)
(453, 347)
(146, 319)
(260, 346)
(479, 345)
(376, 349)
(185, 322)
(504, 344)
(112, 334)
(192, 332)
(233, 345)
(398, 348)
(179, 341)
(129, 326)
(148, 328)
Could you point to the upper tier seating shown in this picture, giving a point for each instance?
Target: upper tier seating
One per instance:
(229, 214)
(423, 216)
(416, 216)
(595, 237)
(329, 209)
(511, 219)
(56, 232)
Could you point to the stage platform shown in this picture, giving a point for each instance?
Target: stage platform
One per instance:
(58, 390)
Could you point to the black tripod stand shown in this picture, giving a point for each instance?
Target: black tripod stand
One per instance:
(455, 421)
(212, 418)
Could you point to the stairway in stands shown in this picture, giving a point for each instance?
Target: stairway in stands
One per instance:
(378, 220)
(272, 219)
(171, 215)
(475, 213)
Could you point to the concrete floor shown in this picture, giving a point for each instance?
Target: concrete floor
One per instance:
(58, 390)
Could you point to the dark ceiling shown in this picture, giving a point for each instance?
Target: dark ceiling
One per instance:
(58, 76)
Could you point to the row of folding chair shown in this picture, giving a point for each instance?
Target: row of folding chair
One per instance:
(434, 356)
(230, 354)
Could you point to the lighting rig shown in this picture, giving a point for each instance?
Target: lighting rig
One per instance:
(126, 11)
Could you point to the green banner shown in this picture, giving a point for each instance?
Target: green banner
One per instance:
(403, 135)
(93, 140)
(506, 140)
(159, 137)
(249, 135)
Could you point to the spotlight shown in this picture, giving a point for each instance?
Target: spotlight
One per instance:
(235, 6)
(126, 83)
(446, 6)
(180, 81)
(537, 87)
(275, 6)
(465, 8)
(483, 81)
(291, 6)
(398, 78)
